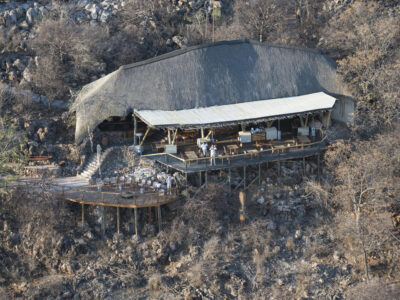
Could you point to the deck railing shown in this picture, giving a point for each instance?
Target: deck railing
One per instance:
(170, 158)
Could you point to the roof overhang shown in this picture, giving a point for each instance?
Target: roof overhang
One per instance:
(240, 113)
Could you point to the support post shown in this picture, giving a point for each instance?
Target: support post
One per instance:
(103, 227)
(118, 219)
(135, 212)
(279, 167)
(83, 214)
(149, 215)
(244, 178)
(206, 177)
(186, 186)
(159, 217)
(199, 178)
(306, 121)
(134, 129)
(328, 119)
(202, 133)
(259, 174)
(169, 136)
(304, 166)
(230, 179)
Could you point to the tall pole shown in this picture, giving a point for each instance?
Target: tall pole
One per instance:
(213, 20)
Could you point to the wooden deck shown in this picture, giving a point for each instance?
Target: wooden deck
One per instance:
(251, 157)
(110, 199)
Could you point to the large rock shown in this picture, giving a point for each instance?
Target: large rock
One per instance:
(181, 41)
(10, 18)
(19, 64)
(31, 15)
(104, 16)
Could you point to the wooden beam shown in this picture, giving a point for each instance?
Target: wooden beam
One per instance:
(209, 133)
(174, 138)
(145, 136)
(169, 136)
(202, 133)
(306, 121)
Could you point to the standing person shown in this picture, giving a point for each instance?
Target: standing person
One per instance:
(213, 154)
(204, 147)
(169, 184)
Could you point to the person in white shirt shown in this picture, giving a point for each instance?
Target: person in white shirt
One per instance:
(169, 184)
(213, 154)
(204, 147)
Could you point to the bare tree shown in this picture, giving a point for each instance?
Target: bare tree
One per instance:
(259, 17)
(365, 179)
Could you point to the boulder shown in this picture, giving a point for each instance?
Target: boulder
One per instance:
(104, 16)
(181, 41)
(31, 15)
(19, 64)
(10, 18)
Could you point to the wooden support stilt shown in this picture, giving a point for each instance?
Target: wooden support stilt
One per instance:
(230, 179)
(134, 130)
(103, 226)
(186, 186)
(135, 212)
(259, 174)
(169, 136)
(206, 177)
(159, 218)
(117, 219)
(149, 215)
(244, 178)
(279, 167)
(304, 166)
(202, 133)
(200, 181)
(83, 214)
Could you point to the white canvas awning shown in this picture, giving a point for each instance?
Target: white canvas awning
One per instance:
(247, 112)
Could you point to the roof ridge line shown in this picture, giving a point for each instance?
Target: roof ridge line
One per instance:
(214, 44)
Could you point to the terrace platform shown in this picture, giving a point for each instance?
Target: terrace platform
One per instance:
(249, 157)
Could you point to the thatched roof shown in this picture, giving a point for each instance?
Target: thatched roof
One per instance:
(213, 74)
